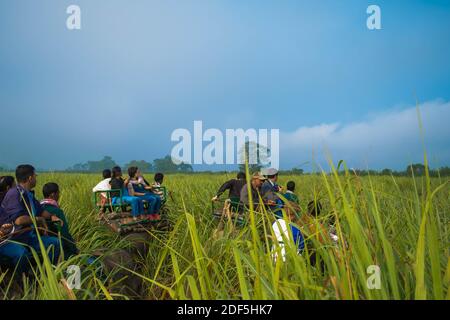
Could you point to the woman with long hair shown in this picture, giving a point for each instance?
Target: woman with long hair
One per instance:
(117, 183)
(6, 183)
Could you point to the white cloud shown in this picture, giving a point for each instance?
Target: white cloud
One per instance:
(389, 139)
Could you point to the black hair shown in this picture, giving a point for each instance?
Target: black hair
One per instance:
(159, 177)
(6, 182)
(116, 172)
(49, 188)
(132, 171)
(23, 172)
(290, 186)
(314, 208)
(241, 175)
(106, 174)
(272, 176)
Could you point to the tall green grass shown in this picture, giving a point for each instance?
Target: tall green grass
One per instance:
(400, 224)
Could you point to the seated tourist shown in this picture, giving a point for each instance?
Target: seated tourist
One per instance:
(142, 185)
(136, 189)
(51, 205)
(18, 205)
(157, 184)
(269, 191)
(104, 185)
(290, 192)
(158, 179)
(117, 183)
(255, 188)
(6, 183)
(283, 230)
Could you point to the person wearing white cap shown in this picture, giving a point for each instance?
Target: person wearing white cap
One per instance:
(269, 189)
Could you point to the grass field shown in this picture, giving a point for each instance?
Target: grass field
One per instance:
(401, 225)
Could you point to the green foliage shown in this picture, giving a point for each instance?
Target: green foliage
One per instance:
(166, 165)
(94, 166)
(142, 165)
(417, 170)
(401, 224)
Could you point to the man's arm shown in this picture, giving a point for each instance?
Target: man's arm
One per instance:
(49, 216)
(226, 186)
(25, 220)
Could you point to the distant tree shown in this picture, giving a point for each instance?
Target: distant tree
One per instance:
(297, 171)
(97, 166)
(79, 167)
(417, 169)
(142, 165)
(94, 166)
(185, 167)
(165, 165)
(255, 153)
(386, 172)
(444, 171)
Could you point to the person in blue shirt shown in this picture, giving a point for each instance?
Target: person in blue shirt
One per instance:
(269, 191)
(17, 206)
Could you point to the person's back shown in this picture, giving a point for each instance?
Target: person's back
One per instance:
(105, 184)
(51, 205)
(268, 192)
(234, 187)
(269, 195)
(117, 183)
(282, 231)
(290, 195)
(6, 183)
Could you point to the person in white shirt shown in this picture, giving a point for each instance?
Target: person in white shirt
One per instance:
(104, 184)
(281, 232)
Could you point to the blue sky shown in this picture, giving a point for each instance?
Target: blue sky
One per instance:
(137, 70)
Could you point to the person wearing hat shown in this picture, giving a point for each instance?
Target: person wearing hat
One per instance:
(268, 191)
(255, 187)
